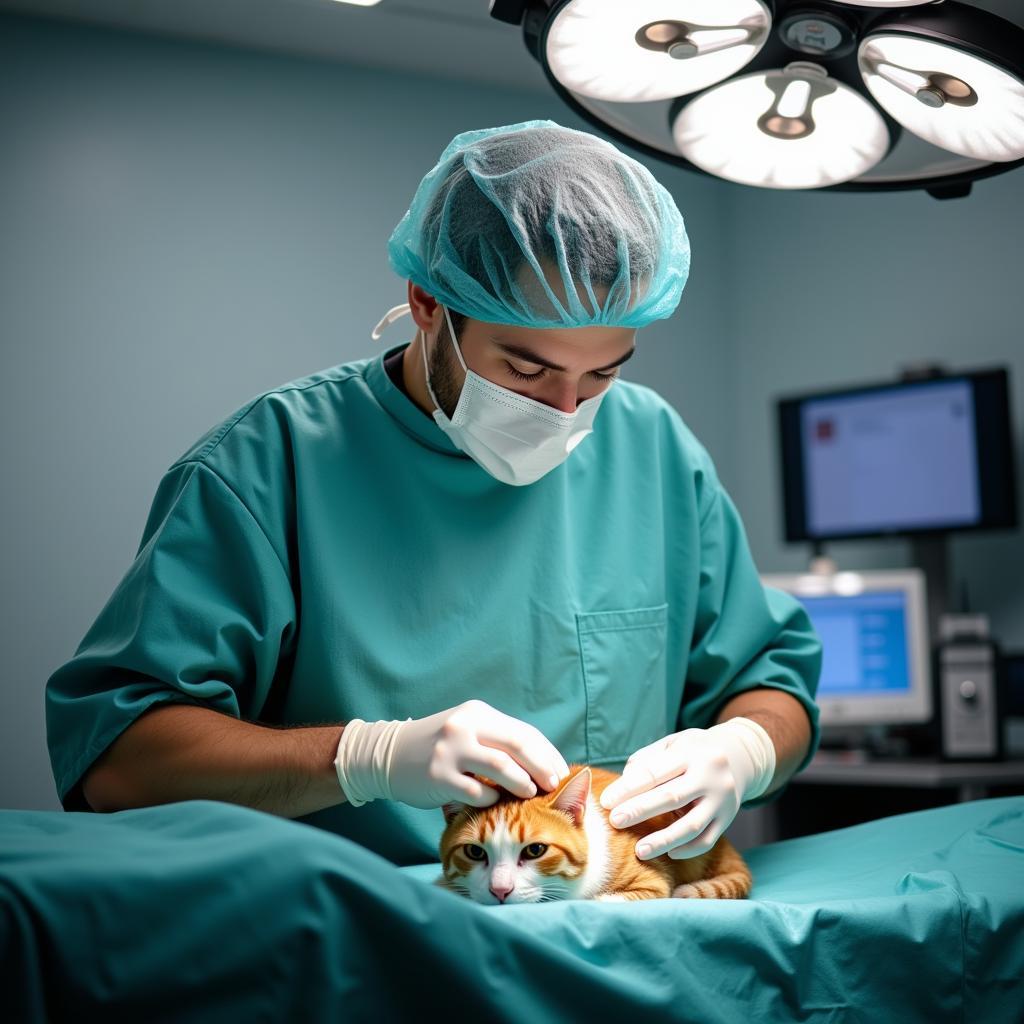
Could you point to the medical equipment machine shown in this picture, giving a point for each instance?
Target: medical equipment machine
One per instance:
(969, 690)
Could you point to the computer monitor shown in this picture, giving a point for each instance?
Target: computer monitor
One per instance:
(929, 455)
(873, 626)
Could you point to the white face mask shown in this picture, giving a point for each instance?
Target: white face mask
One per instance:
(515, 438)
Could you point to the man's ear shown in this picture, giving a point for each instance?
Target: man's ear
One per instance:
(425, 309)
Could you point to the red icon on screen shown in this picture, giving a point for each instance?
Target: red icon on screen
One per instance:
(824, 430)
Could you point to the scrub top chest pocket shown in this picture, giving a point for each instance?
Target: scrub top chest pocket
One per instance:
(623, 660)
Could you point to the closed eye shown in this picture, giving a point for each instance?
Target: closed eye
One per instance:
(543, 370)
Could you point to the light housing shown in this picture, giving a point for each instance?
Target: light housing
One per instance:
(885, 3)
(631, 98)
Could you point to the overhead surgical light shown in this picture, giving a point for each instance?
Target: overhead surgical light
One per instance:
(790, 128)
(652, 49)
(849, 94)
(946, 96)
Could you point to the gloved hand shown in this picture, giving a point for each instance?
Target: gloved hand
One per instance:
(718, 768)
(423, 762)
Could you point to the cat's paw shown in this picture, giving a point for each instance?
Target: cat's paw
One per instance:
(696, 891)
(611, 897)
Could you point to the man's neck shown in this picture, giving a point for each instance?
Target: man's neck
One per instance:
(413, 376)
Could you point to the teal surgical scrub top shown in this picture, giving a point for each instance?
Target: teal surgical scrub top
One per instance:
(327, 553)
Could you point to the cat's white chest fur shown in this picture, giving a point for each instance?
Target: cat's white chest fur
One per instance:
(598, 870)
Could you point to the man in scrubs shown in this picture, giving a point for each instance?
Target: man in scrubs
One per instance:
(478, 554)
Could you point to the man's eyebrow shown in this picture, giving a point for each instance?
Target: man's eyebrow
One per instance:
(532, 357)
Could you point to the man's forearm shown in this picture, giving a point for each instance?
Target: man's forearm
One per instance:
(783, 717)
(184, 752)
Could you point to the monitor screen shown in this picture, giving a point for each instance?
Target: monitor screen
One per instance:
(920, 456)
(864, 643)
(873, 629)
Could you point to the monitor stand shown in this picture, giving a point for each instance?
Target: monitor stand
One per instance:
(931, 555)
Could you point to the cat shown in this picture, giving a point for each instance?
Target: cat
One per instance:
(560, 845)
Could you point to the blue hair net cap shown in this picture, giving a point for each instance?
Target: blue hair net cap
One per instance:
(538, 225)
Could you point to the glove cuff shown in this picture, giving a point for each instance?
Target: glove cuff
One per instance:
(754, 751)
(363, 759)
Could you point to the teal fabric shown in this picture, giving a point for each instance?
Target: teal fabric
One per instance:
(201, 911)
(538, 225)
(326, 553)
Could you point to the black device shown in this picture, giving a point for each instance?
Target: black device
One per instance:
(918, 457)
(969, 691)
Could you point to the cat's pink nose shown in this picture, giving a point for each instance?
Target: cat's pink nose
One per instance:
(502, 890)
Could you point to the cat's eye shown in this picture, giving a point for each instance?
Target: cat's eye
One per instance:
(535, 850)
(474, 852)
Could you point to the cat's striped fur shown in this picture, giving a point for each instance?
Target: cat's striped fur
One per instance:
(583, 856)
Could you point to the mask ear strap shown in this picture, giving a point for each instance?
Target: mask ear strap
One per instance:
(451, 334)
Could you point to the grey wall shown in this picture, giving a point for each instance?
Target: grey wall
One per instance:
(184, 226)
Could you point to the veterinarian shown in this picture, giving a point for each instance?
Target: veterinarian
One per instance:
(478, 553)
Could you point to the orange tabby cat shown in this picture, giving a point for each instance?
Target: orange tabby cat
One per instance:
(560, 845)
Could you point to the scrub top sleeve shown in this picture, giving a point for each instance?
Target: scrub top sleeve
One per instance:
(745, 635)
(204, 615)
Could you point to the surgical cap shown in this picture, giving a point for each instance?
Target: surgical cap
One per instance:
(538, 225)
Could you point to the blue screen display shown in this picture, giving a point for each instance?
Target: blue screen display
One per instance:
(864, 641)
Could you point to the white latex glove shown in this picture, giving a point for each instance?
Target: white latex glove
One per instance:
(425, 762)
(718, 767)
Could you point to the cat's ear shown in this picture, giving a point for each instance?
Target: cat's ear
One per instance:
(452, 811)
(572, 797)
